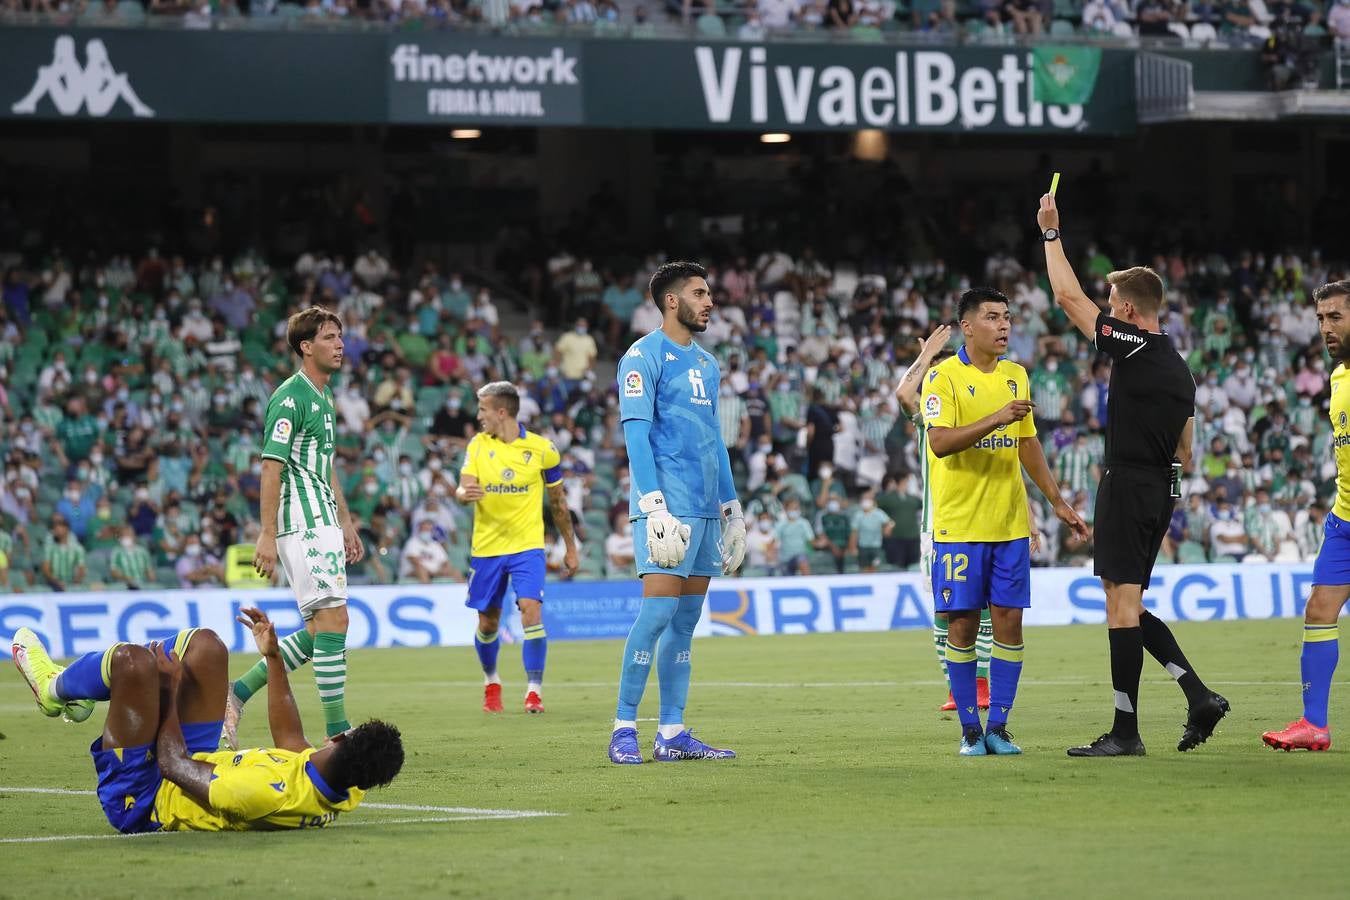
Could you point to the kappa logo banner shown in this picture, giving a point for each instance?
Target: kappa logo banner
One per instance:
(93, 87)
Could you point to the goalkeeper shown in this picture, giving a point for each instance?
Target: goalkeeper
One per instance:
(687, 523)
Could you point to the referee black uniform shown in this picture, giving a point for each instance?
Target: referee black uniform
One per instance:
(1150, 398)
(1152, 395)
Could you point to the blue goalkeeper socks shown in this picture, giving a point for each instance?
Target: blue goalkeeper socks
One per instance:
(1321, 652)
(673, 657)
(653, 617)
(84, 678)
(1005, 668)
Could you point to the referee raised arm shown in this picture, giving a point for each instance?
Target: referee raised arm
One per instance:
(1150, 421)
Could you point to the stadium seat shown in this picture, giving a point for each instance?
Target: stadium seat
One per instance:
(1203, 33)
(1061, 28)
(1191, 553)
(710, 25)
(866, 34)
(130, 12)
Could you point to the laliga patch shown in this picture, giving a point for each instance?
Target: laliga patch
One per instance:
(932, 406)
(281, 432)
(632, 384)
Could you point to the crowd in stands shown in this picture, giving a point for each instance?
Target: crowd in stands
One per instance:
(132, 393)
(1238, 23)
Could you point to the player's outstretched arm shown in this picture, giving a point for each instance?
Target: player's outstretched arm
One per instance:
(175, 763)
(907, 391)
(283, 717)
(1032, 456)
(1082, 312)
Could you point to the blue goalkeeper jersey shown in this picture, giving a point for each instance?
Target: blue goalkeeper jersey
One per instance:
(675, 388)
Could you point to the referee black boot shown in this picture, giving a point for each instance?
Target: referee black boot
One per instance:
(1201, 720)
(1110, 745)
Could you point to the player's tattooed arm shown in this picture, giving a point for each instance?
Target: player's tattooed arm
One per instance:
(175, 763)
(562, 520)
(907, 391)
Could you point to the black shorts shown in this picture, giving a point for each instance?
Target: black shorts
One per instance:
(1134, 510)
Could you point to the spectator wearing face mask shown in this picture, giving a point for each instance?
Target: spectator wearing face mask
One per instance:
(576, 353)
(130, 563)
(1228, 539)
(761, 547)
(795, 537)
(407, 488)
(197, 568)
(63, 565)
(77, 506)
(437, 512)
(619, 552)
(424, 559)
(452, 423)
(870, 527)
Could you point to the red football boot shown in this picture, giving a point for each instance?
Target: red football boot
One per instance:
(982, 693)
(1300, 735)
(950, 705)
(533, 704)
(492, 698)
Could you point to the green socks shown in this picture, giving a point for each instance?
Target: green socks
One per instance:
(296, 650)
(330, 675)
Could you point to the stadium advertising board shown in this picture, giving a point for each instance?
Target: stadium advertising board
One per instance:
(810, 87)
(435, 615)
(445, 78)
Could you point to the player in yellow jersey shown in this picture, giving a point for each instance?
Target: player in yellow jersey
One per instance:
(981, 437)
(156, 760)
(506, 473)
(1331, 572)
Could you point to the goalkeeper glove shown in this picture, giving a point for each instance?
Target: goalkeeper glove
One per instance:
(733, 537)
(667, 536)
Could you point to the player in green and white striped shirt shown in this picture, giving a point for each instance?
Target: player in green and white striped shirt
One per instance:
(305, 523)
(907, 392)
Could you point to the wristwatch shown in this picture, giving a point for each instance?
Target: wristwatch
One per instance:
(1050, 234)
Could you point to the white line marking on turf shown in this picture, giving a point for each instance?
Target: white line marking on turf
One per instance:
(456, 814)
(787, 685)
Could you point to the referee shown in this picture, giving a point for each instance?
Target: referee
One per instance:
(1149, 426)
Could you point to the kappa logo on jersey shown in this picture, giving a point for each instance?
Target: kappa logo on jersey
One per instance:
(288, 403)
(281, 432)
(314, 407)
(635, 353)
(96, 86)
(670, 357)
(632, 384)
(932, 406)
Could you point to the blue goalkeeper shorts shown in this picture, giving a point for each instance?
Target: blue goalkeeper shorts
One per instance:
(704, 556)
(969, 576)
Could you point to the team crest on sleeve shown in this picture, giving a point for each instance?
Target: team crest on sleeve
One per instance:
(1012, 386)
(281, 432)
(632, 384)
(932, 406)
(1341, 419)
(1106, 331)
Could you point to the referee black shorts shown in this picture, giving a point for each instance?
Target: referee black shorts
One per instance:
(1134, 511)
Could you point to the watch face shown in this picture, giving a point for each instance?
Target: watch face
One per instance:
(1051, 234)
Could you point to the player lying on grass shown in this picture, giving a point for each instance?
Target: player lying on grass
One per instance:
(156, 761)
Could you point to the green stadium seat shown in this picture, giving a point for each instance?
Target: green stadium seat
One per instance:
(1061, 28)
(1191, 553)
(710, 25)
(867, 34)
(130, 12)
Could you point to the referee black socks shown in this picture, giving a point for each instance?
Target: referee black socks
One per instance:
(1127, 663)
(1162, 645)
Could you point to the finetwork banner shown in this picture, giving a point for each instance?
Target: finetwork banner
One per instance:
(435, 615)
(450, 77)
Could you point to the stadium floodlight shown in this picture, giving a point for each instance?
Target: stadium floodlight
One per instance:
(466, 134)
(775, 137)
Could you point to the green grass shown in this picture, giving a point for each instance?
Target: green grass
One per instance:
(839, 791)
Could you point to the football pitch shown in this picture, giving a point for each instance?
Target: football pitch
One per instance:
(847, 785)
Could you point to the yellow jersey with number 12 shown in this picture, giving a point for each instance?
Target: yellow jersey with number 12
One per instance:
(1340, 439)
(256, 790)
(978, 494)
(510, 517)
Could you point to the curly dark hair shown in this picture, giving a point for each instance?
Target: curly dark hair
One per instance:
(670, 277)
(369, 756)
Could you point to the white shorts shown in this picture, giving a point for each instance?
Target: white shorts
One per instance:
(315, 563)
(926, 561)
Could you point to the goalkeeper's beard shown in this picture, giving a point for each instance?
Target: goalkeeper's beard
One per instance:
(685, 315)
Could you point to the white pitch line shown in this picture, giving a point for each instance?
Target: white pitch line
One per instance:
(835, 685)
(399, 807)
